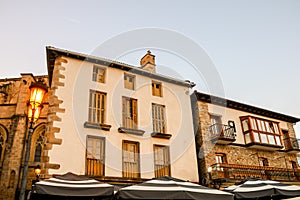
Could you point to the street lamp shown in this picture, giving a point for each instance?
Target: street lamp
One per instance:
(37, 171)
(37, 91)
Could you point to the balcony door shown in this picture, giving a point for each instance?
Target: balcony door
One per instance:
(216, 125)
(131, 159)
(95, 151)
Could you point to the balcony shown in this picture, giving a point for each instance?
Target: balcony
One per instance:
(233, 172)
(292, 145)
(94, 167)
(222, 134)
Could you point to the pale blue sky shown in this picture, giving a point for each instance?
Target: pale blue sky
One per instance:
(254, 44)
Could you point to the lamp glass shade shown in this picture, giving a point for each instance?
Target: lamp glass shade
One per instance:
(37, 170)
(36, 96)
(37, 93)
(33, 114)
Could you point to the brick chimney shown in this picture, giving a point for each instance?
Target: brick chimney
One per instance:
(148, 62)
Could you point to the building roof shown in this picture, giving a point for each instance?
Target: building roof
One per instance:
(244, 107)
(4, 80)
(53, 53)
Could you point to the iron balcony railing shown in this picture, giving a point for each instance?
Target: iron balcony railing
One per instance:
(94, 167)
(292, 143)
(222, 131)
(240, 172)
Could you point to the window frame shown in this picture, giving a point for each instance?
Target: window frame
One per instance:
(135, 166)
(91, 161)
(129, 112)
(3, 135)
(126, 78)
(216, 126)
(163, 169)
(260, 131)
(263, 162)
(96, 74)
(220, 158)
(97, 114)
(159, 120)
(156, 91)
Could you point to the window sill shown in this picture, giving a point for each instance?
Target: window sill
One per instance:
(264, 146)
(131, 131)
(105, 127)
(161, 135)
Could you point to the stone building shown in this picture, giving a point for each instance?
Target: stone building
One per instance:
(119, 123)
(14, 96)
(235, 141)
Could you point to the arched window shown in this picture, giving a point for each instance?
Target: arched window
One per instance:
(38, 150)
(38, 143)
(2, 142)
(12, 179)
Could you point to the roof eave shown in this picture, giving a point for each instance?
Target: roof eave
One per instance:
(53, 53)
(244, 107)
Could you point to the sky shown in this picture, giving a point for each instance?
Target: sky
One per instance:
(253, 45)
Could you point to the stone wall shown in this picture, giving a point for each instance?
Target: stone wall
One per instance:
(13, 119)
(54, 109)
(235, 153)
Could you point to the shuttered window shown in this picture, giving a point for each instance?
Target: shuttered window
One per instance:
(129, 113)
(97, 107)
(158, 118)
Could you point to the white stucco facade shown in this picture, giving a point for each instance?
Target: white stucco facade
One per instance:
(71, 154)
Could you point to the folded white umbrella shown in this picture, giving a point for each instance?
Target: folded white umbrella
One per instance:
(255, 188)
(171, 188)
(73, 185)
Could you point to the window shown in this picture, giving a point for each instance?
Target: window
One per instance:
(38, 147)
(95, 151)
(156, 89)
(161, 161)
(294, 165)
(129, 81)
(131, 159)
(220, 159)
(37, 144)
(97, 107)
(216, 124)
(3, 98)
(263, 162)
(129, 113)
(261, 131)
(245, 124)
(12, 179)
(2, 142)
(99, 74)
(158, 118)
